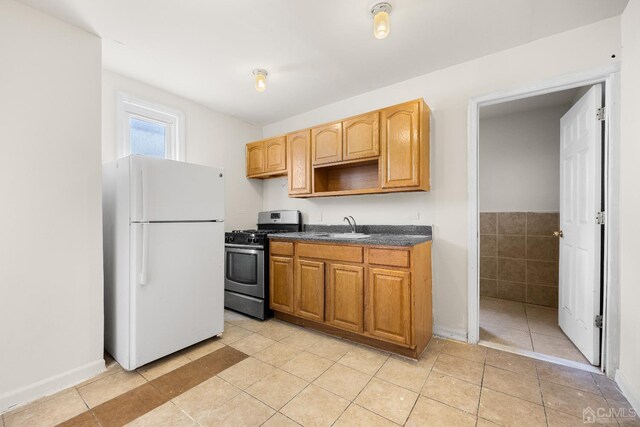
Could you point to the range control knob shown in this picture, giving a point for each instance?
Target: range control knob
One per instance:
(231, 238)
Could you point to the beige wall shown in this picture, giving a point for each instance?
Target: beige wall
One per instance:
(519, 156)
(51, 313)
(211, 138)
(629, 373)
(447, 91)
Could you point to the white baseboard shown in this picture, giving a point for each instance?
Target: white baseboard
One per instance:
(629, 390)
(24, 395)
(456, 334)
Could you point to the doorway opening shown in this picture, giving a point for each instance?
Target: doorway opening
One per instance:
(540, 186)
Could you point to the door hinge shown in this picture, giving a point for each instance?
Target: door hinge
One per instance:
(600, 218)
(601, 113)
(598, 321)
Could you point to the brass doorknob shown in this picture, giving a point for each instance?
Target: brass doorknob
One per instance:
(558, 234)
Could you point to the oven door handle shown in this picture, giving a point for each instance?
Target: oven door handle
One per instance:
(251, 248)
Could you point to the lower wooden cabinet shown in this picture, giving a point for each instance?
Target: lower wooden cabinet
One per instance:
(345, 297)
(308, 290)
(281, 284)
(389, 305)
(377, 295)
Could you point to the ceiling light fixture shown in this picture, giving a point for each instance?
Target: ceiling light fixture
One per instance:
(381, 22)
(261, 79)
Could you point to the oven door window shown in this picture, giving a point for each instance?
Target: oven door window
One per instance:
(242, 268)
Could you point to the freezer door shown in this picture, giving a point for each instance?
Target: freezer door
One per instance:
(167, 190)
(177, 287)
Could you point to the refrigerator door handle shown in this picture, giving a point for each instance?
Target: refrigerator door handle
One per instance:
(145, 254)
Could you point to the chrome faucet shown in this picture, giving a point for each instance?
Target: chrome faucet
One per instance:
(352, 223)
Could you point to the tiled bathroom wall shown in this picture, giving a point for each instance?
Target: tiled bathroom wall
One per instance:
(519, 256)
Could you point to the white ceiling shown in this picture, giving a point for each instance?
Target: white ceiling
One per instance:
(554, 99)
(316, 52)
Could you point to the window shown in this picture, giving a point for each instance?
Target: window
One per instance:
(149, 129)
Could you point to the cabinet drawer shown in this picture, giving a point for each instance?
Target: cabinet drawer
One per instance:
(281, 248)
(393, 257)
(330, 252)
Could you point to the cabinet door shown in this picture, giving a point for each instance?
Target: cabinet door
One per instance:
(255, 158)
(281, 284)
(388, 308)
(309, 290)
(345, 297)
(326, 143)
(400, 138)
(275, 151)
(361, 137)
(299, 161)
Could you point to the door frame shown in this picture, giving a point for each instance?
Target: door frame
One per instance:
(609, 76)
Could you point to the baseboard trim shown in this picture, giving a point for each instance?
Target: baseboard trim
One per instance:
(630, 392)
(456, 334)
(24, 395)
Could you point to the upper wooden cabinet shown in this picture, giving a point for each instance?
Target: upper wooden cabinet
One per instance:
(326, 143)
(267, 158)
(361, 137)
(378, 152)
(255, 158)
(299, 161)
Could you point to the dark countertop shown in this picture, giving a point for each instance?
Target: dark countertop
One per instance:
(379, 235)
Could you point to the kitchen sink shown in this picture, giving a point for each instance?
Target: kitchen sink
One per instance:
(347, 235)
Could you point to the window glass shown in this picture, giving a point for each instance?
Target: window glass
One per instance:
(147, 137)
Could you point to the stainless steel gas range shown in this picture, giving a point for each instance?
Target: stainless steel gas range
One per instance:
(246, 255)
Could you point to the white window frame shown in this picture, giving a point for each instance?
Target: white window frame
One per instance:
(128, 106)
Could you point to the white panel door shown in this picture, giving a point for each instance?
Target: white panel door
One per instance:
(580, 198)
(168, 190)
(177, 287)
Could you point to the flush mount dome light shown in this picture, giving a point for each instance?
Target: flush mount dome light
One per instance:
(381, 22)
(261, 79)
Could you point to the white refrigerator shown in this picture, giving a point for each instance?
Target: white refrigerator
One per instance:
(163, 257)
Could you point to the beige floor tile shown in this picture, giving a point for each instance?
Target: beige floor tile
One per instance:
(205, 397)
(247, 372)
(331, 348)
(452, 391)
(315, 406)
(160, 367)
(474, 353)
(358, 416)
(111, 368)
(277, 354)
(486, 423)
(307, 366)
(203, 348)
(546, 327)
(570, 400)
(231, 335)
(560, 419)
(164, 415)
(233, 315)
(404, 372)
(388, 400)
(518, 385)
(462, 369)
(607, 386)
(435, 345)
(47, 412)
(250, 324)
(302, 339)
(511, 362)
(541, 312)
(109, 387)
(277, 331)
(497, 304)
(279, 420)
(558, 347)
(501, 318)
(242, 410)
(428, 412)
(567, 376)
(277, 388)
(252, 344)
(506, 336)
(343, 381)
(509, 411)
(364, 359)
